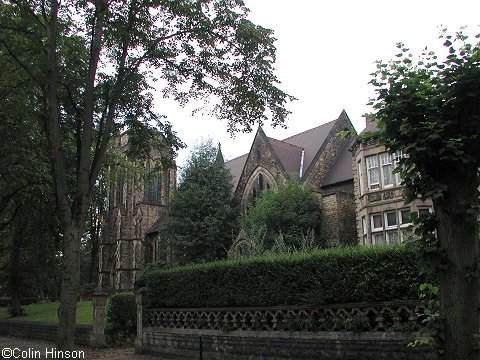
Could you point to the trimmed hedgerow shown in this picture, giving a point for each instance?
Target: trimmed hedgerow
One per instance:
(337, 275)
(121, 313)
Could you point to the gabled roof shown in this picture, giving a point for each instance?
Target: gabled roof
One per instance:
(290, 151)
(311, 141)
(236, 166)
(342, 170)
(289, 155)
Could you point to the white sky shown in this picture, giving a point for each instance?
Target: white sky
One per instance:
(325, 55)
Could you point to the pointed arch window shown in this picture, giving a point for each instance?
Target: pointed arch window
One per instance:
(152, 185)
(119, 191)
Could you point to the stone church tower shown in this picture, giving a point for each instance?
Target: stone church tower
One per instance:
(134, 216)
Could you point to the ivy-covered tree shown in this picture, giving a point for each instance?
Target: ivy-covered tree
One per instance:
(430, 109)
(202, 215)
(289, 209)
(90, 65)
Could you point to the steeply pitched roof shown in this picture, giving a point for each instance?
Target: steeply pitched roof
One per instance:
(311, 141)
(236, 167)
(342, 170)
(289, 153)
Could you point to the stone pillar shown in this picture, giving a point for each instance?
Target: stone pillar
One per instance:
(139, 299)
(97, 336)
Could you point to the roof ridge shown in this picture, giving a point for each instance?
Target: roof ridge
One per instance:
(235, 158)
(286, 143)
(305, 131)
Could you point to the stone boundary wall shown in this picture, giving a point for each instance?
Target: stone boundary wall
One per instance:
(42, 331)
(263, 345)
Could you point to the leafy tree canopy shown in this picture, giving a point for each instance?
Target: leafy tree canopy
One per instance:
(90, 67)
(430, 109)
(202, 216)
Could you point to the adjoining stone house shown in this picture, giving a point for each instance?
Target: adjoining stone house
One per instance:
(318, 158)
(135, 214)
(382, 215)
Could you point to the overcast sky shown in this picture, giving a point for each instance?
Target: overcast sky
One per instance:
(325, 55)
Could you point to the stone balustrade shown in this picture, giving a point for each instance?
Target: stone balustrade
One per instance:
(360, 317)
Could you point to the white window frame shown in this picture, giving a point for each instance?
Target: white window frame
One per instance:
(404, 234)
(374, 235)
(372, 223)
(364, 225)
(387, 238)
(385, 160)
(396, 163)
(371, 165)
(400, 218)
(386, 225)
(360, 177)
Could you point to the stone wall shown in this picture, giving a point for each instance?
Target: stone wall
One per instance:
(42, 331)
(337, 219)
(262, 157)
(327, 157)
(252, 345)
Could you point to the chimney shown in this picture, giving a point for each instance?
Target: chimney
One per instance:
(368, 118)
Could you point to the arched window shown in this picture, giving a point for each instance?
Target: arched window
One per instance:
(119, 191)
(260, 182)
(152, 186)
(146, 185)
(254, 194)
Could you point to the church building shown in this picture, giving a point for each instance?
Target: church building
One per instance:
(318, 158)
(135, 214)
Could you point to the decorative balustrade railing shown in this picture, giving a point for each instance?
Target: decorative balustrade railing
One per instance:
(382, 316)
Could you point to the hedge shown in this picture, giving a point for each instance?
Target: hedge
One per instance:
(337, 275)
(121, 313)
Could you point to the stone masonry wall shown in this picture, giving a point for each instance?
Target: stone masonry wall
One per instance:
(337, 219)
(321, 166)
(42, 331)
(267, 160)
(252, 345)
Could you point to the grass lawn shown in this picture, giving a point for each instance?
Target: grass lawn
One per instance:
(47, 312)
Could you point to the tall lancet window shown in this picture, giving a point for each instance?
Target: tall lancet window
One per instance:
(151, 187)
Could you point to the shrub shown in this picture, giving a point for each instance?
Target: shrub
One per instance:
(288, 209)
(121, 314)
(337, 275)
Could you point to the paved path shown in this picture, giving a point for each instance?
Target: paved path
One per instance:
(18, 348)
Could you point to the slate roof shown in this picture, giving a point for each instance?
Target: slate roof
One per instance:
(342, 170)
(371, 127)
(289, 152)
(289, 155)
(311, 141)
(236, 167)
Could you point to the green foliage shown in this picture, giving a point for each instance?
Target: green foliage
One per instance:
(288, 210)
(336, 275)
(430, 318)
(121, 313)
(430, 110)
(202, 216)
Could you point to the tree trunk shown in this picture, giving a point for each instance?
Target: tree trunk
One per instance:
(458, 274)
(70, 286)
(15, 301)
